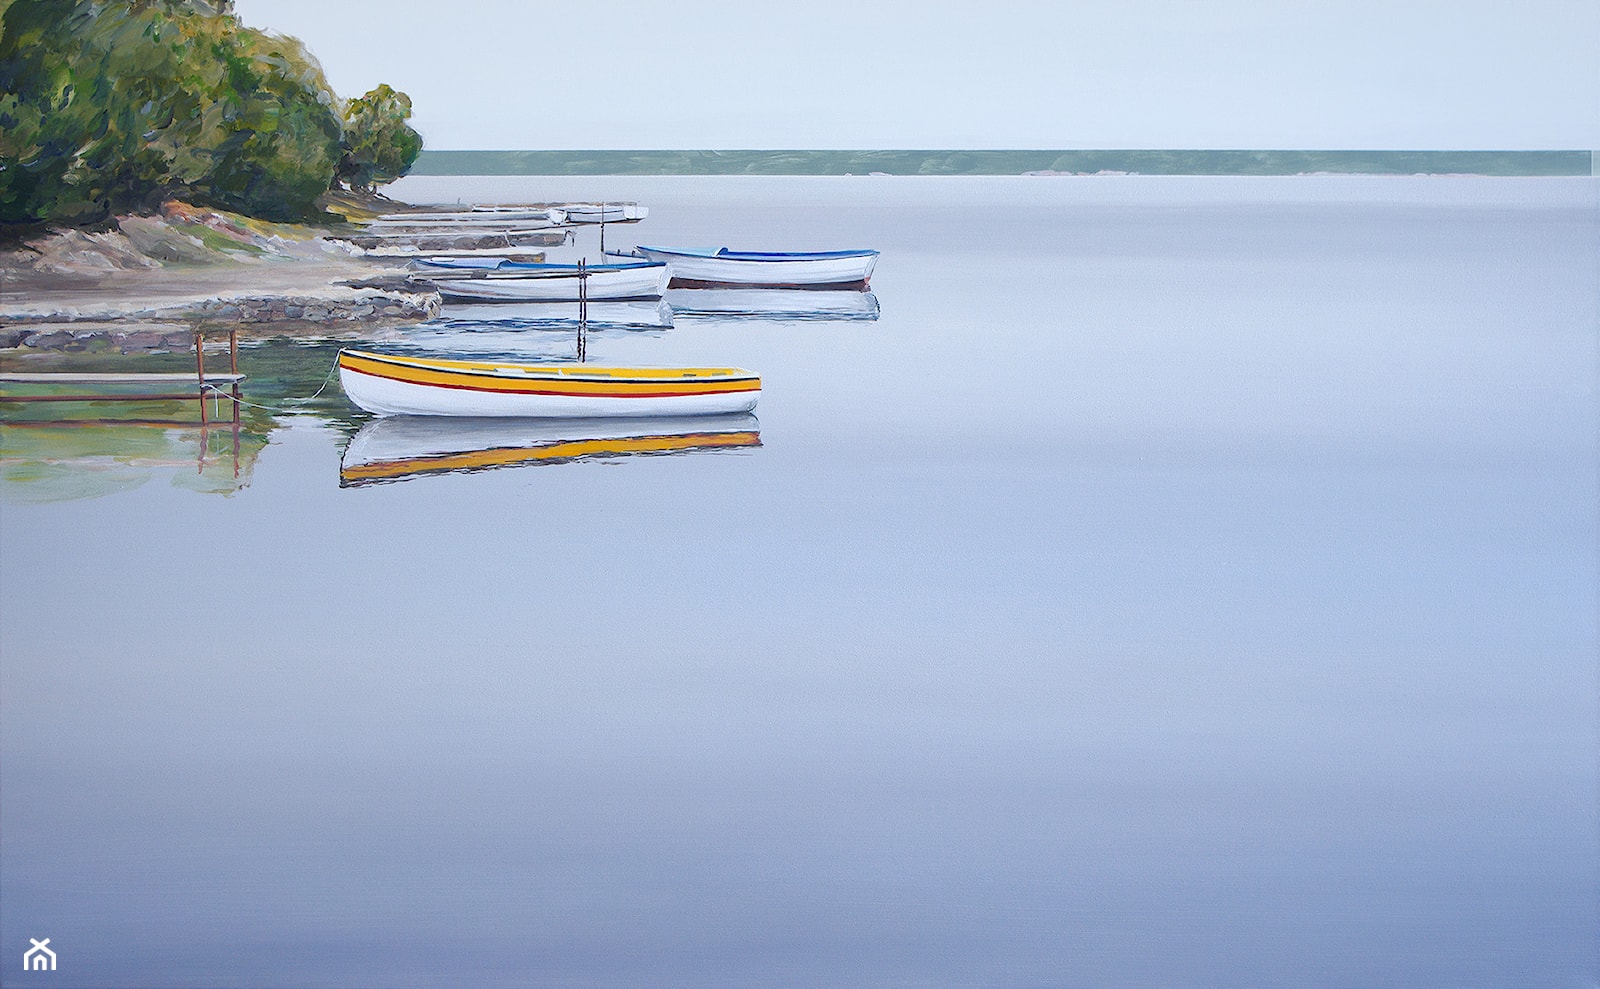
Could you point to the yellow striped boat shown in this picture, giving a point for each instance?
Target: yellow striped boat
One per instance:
(385, 384)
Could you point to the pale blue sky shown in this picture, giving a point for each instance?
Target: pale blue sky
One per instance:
(1004, 74)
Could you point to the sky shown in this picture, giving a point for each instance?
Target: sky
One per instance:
(724, 74)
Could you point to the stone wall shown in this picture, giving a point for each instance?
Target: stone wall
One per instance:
(102, 330)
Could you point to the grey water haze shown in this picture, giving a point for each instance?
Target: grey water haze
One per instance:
(1183, 581)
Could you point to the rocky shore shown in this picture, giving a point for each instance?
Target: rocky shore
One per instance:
(149, 282)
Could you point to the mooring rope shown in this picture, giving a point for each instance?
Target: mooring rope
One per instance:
(216, 390)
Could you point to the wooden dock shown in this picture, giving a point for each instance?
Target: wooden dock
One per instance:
(163, 386)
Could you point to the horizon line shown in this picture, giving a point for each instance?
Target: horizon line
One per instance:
(1026, 150)
(1000, 161)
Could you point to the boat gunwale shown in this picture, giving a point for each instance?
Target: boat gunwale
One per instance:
(513, 371)
(856, 285)
(541, 269)
(758, 257)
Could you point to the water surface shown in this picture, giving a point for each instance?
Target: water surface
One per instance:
(1180, 582)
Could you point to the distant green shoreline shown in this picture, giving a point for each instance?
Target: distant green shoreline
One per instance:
(991, 162)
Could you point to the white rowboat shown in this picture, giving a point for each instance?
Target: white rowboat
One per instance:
(474, 216)
(606, 212)
(386, 384)
(510, 281)
(722, 268)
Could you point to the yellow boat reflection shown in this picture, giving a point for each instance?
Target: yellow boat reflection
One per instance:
(403, 447)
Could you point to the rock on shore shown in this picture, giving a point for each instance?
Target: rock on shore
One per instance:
(136, 286)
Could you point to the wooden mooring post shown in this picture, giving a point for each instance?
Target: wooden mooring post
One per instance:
(162, 385)
(162, 388)
(583, 310)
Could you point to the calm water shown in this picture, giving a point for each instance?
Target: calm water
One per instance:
(1180, 583)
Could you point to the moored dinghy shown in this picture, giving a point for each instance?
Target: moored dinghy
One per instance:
(386, 384)
(605, 212)
(482, 280)
(721, 268)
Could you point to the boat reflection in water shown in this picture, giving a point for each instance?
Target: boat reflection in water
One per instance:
(399, 448)
(772, 303)
(524, 332)
(644, 313)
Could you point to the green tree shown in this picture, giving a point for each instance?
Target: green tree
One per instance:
(279, 130)
(379, 146)
(110, 106)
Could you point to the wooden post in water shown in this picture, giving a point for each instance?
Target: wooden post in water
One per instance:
(200, 383)
(200, 373)
(233, 367)
(602, 233)
(583, 309)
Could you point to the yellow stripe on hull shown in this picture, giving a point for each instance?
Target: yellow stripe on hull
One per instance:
(389, 385)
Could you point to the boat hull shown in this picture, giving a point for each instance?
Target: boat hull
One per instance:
(605, 212)
(386, 385)
(841, 270)
(638, 282)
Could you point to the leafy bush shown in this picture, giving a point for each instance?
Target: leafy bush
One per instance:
(379, 146)
(110, 107)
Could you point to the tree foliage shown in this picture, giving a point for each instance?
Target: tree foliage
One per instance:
(379, 146)
(112, 107)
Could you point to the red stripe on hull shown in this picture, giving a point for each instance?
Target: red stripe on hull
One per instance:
(560, 394)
